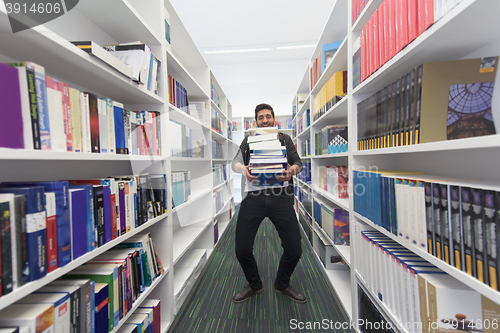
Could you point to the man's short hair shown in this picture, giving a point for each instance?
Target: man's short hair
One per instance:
(263, 106)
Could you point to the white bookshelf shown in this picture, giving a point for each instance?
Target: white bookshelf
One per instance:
(191, 224)
(467, 31)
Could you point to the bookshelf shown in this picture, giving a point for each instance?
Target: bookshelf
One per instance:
(189, 225)
(463, 32)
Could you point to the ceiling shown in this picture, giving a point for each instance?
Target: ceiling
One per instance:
(249, 77)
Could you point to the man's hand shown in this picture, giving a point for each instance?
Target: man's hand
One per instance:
(288, 173)
(248, 175)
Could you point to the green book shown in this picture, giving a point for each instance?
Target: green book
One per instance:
(106, 273)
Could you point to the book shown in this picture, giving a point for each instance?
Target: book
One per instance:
(119, 125)
(154, 304)
(56, 114)
(92, 101)
(150, 318)
(327, 53)
(5, 235)
(102, 274)
(38, 317)
(101, 307)
(102, 110)
(78, 212)
(51, 231)
(61, 304)
(73, 293)
(42, 103)
(137, 56)
(90, 225)
(83, 287)
(11, 129)
(35, 230)
(27, 89)
(76, 119)
(99, 52)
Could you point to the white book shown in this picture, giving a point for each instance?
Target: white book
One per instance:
(111, 126)
(76, 120)
(61, 303)
(31, 315)
(268, 144)
(25, 108)
(103, 125)
(56, 120)
(263, 137)
(85, 122)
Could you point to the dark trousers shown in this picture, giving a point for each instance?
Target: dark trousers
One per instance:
(279, 209)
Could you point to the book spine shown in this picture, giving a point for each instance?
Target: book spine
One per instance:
(111, 126)
(42, 103)
(94, 123)
(32, 97)
(51, 231)
(92, 307)
(99, 215)
(108, 215)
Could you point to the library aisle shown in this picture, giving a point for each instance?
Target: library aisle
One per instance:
(209, 307)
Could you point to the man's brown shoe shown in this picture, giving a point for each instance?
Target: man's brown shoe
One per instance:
(246, 292)
(293, 293)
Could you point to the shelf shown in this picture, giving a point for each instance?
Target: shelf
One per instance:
(466, 28)
(165, 326)
(304, 134)
(342, 203)
(217, 136)
(190, 121)
(43, 155)
(336, 115)
(177, 70)
(488, 141)
(30, 287)
(341, 282)
(365, 15)
(67, 62)
(343, 250)
(186, 236)
(222, 209)
(189, 159)
(396, 323)
(463, 277)
(222, 228)
(302, 182)
(330, 155)
(139, 301)
(195, 195)
(125, 25)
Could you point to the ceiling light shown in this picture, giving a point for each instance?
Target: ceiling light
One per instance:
(267, 48)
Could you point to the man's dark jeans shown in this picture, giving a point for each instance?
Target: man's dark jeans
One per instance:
(278, 207)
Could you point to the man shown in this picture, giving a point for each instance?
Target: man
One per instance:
(277, 205)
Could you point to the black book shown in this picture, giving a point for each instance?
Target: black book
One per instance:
(99, 214)
(445, 224)
(429, 218)
(479, 233)
(6, 266)
(491, 221)
(436, 205)
(456, 227)
(468, 231)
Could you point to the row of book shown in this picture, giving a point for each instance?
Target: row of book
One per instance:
(370, 318)
(217, 122)
(327, 254)
(305, 174)
(422, 297)
(183, 142)
(94, 297)
(455, 220)
(356, 9)
(134, 60)
(46, 225)
(332, 139)
(304, 122)
(394, 25)
(434, 102)
(217, 149)
(215, 94)
(334, 221)
(218, 200)
(305, 148)
(219, 173)
(177, 94)
(330, 94)
(45, 113)
(321, 61)
(335, 180)
(297, 103)
(181, 187)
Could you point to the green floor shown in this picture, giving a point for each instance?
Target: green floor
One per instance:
(210, 308)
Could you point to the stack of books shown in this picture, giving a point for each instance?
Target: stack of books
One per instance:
(267, 156)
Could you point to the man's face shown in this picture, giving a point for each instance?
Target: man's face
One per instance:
(265, 118)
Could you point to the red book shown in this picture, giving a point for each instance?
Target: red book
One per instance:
(403, 22)
(386, 31)
(51, 231)
(425, 15)
(381, 37)
(371, 55)
(412, 20)
(94, 123)
(397, 25)
(64, 89)
(392, 28)
(363, 53)
(155, 136)
(376, 40)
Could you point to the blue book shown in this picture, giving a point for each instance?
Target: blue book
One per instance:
(121, 146)
(92, 306)
(101, 308)
(35, 228)
(42, 103)
(91, 237)
(79, 210)
(106, 190)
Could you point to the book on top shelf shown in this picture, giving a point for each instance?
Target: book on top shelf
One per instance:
(11, 128)
(328, 51)
(99, 52)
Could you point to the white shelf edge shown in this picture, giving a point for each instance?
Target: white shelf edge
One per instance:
(188, 116)
(342, 203)
(326, 117)
(30, 287)
(27, 154)
(165, 326)
(330, 155)
(187, 233)
(192, 199)
(463, 277)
